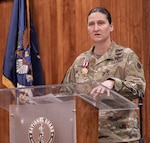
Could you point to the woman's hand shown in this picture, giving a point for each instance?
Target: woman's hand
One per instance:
(101, 89)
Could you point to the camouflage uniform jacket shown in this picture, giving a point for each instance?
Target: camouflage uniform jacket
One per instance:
(123, 66)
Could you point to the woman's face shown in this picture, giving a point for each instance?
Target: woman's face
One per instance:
(99, 27)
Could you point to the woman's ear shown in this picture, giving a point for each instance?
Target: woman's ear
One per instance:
(111, 27)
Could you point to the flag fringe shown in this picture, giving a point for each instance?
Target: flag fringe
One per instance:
(7, 82)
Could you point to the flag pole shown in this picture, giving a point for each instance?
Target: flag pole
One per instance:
(28, 19)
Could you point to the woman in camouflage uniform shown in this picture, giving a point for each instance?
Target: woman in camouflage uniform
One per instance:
(115, 67)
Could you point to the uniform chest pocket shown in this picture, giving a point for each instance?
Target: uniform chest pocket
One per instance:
(105, 72)
(117, 71)
(82, 74)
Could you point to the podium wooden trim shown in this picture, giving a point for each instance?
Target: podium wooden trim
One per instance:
(86, 121)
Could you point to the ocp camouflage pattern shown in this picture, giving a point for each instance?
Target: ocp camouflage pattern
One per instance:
(123, 66)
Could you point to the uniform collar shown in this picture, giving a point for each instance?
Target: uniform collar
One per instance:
(110, 54)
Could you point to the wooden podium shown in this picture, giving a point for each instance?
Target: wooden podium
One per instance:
(86, 122)
(56, 113)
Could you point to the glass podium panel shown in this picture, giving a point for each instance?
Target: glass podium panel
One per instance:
(108, 101)
(42, 123)
(64, 92)
(47, 114)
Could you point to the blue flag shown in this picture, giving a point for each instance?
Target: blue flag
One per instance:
(22, 66)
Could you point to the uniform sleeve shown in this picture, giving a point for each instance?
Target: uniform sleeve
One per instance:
(69, 76)
(134, 81)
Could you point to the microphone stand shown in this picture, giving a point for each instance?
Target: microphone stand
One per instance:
(140, 104)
